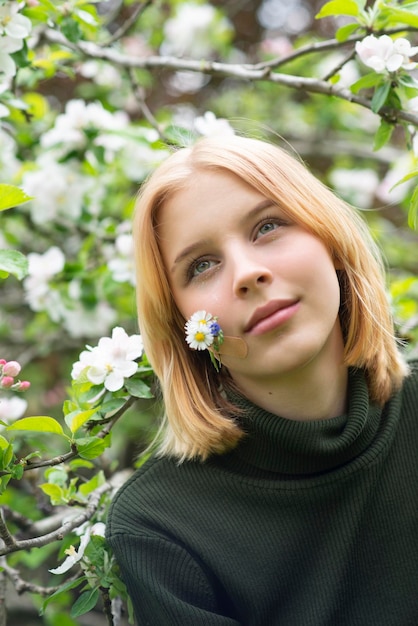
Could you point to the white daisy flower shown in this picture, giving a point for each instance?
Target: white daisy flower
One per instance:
(198, 335)
(203, 332)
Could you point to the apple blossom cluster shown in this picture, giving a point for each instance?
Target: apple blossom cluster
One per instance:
(63, 306)
(384, 54)
(111, 361)
(8, 372)
(14, 28)
(121, 256)
(61, 189)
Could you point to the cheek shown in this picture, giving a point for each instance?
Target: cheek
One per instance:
(212, 296)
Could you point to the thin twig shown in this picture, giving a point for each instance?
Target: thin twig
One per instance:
(9, 541)
(22, 585)
(338, 67)
(139, 95)
(120, 32)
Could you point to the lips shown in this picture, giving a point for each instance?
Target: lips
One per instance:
(271, 315)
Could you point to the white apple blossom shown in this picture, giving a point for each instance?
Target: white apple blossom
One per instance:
(384, 54)
(137, 159)
(78, 321)
(9, 163)
(59, 190)
(41, 269)
(12, 408)
(111, 361)
(208, 124)
(186, 82)
(121, 266)
(70, 127)
(7, 46)
(4, 110)
(12, 23)
(103, 74)
(74, 556)
(194, 31)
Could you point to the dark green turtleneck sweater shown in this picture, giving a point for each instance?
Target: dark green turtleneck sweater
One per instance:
(303, 524)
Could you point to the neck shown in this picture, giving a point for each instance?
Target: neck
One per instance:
(315, 391)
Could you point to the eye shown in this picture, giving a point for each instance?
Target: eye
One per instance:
(201, 266)
(198, 267)
(267, 226)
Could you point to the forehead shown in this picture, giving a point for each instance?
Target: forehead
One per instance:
(204, 192)
(210, 207)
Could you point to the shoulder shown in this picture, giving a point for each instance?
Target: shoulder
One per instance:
(159, 488)
(410, 386)
(407, 402)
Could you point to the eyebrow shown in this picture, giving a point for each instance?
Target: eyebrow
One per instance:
(189, 250)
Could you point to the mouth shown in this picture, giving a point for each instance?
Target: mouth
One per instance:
(271, 315)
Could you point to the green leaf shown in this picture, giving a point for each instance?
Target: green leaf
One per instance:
(344, 32)
(367, 81)
(92, 447)
(11, 196)
(401, 16)
(85, 603)
(380, 96)
(138, 388)
(77, 419)
(338, 7)
(71, 30)
(3, 442)
(413, 211)
(405, 178)
(55, 492)
(92, 484)
(4, 481)
(66, 587)
(38, 423)
(13, 262)
(383, 134)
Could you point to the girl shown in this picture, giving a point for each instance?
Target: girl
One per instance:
(285, 487)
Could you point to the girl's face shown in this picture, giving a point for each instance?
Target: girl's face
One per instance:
(230, 251)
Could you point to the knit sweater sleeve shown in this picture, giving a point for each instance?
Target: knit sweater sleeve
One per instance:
(167, 586)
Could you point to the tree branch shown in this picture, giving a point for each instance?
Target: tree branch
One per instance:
(241, 71)
(320, 46)
(64, 527)
(23, 585)
(11, 545)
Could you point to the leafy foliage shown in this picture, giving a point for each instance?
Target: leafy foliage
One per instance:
(93, 95)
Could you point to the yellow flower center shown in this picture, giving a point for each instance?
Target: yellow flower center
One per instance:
(199, 336)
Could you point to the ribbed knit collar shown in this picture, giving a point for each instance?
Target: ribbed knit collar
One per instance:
(292, 447)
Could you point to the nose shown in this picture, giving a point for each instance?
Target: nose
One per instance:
(250, 274)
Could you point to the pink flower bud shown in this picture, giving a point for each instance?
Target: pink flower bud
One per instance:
(3, 361)
(23, 385)
(6, 382)
(11, 368)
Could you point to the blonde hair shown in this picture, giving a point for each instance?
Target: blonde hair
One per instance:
(198, 419)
